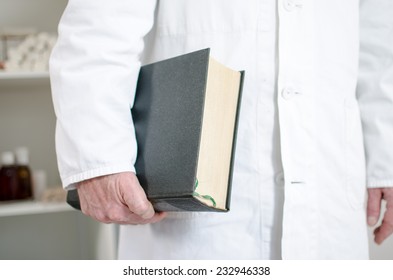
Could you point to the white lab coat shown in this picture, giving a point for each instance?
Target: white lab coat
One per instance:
(300, 168)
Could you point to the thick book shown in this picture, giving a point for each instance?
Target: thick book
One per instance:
(185, 114)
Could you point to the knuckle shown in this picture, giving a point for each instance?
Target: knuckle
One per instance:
(101, 217)
(115, 216)
(388, 224)
(141, 207)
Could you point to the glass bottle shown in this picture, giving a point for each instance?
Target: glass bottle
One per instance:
(8, 177)
(24, 173)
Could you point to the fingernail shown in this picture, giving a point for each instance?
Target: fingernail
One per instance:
(371, 220)
(149, 213)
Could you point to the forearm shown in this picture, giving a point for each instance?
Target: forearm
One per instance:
(94, 69)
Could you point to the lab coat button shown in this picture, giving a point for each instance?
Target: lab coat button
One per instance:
(287, 93)
(289, 5)
(280, 178)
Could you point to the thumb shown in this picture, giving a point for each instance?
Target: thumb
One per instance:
(135, 199)
(373, 205)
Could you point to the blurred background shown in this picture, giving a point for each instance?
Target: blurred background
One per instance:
(43, 226)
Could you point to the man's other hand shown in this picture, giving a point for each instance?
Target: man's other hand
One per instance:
(375, 197)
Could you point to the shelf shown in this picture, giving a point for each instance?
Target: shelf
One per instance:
(23, 75)
(8, 209)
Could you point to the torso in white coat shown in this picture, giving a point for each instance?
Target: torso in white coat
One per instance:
(299, 135)
(300, 174)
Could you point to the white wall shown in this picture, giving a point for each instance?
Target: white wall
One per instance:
(41, 14)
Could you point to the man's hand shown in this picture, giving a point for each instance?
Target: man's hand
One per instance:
(375, 196)
(116, 198)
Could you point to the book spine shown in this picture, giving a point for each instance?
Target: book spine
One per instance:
(232, 164)
(188, 204)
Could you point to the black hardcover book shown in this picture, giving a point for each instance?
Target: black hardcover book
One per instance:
(185, 114)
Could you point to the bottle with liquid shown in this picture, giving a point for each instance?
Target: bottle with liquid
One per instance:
(8, 177)
(24, 174)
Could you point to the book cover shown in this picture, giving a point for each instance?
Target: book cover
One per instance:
(185, 113)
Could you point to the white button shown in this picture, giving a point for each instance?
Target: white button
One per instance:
(287, 93)
(280, 178)
(289, 5)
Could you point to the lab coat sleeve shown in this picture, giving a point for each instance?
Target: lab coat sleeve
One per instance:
(375, 89)
(94, 69)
